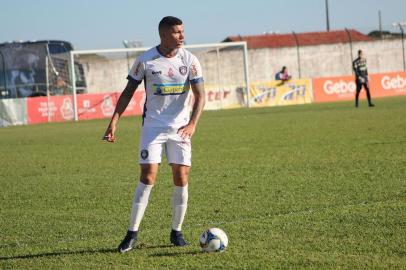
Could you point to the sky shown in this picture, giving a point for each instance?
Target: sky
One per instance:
(104, 24)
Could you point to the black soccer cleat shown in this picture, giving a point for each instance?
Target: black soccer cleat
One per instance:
(128, 242)
(371, 105)
(177, 239)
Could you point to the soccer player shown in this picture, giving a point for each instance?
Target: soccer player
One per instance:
(168, 71)
(361, 77)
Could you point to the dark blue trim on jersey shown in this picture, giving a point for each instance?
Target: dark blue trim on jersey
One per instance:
(157, 49)
(144, 113)
(161, 54)
(171, 94)
(197, 80)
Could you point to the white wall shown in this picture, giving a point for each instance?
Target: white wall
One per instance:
(107, 75)
(326, 60)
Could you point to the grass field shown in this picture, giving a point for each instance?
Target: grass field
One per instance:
(313, 186)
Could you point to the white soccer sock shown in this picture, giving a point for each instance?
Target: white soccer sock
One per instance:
(179, 203)
(140, 202)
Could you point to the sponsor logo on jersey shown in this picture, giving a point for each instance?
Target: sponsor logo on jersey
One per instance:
(169, 89)
(156, 72)
(183, 70)
(170, 73)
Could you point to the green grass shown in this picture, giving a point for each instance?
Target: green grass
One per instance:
(313, 186)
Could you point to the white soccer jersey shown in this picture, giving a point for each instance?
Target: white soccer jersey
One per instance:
(167, 86)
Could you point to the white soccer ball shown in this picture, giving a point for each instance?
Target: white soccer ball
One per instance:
(213, 240)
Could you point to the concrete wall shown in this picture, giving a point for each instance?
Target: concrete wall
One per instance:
(224, 68)
(325, 60)
(106, 74)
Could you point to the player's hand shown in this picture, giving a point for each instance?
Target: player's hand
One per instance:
(186, 132)
(109, 134)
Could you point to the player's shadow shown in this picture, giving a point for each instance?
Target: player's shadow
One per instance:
(78, 252)
(167, 253)
(146, 246)
(59, 253)
(175, 254)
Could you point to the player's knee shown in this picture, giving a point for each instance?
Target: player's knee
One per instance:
(180, 175)
(148, 174)
(180, 182)
(148, 179)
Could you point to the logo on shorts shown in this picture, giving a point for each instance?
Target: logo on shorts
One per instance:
(144, 154)
(183, 70)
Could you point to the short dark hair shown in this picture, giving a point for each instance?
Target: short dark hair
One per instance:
(359, 52)
(168, 21)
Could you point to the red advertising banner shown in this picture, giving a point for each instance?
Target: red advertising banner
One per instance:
(334, 89)
(343, 88)
(102, 105)
(90, 106)
(93, 106)
(136, 105)
(49, 109)
(388, 84)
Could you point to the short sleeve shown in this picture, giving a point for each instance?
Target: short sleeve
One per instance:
(195, 72)
(137, 71)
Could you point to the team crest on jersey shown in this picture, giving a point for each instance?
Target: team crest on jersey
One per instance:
(170, 73)
(144, 154)
(183, 70)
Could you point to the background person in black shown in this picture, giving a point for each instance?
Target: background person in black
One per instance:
(361, 77)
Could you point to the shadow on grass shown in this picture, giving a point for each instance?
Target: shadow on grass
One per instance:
(146, 246)
(78, 252)
(59, 253)
(174, 254)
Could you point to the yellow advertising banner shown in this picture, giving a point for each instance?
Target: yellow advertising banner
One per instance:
(279, 93)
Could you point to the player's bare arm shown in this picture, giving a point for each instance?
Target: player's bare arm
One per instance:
(122, 104)
(200, 100)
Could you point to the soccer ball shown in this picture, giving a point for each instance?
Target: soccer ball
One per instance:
(213, 239)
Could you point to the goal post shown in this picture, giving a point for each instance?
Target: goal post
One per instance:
(224, 65)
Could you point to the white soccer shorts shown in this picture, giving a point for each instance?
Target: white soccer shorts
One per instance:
(154, 140)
